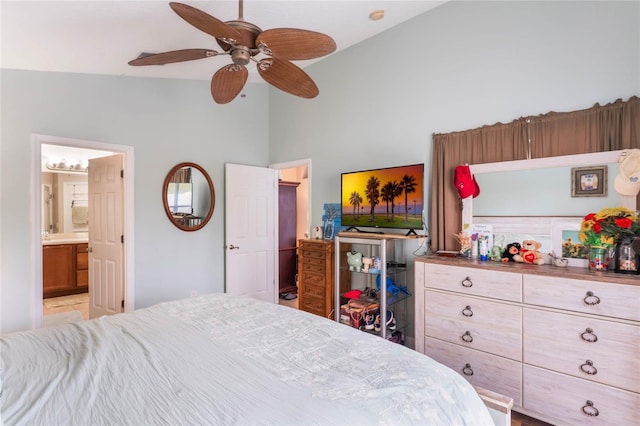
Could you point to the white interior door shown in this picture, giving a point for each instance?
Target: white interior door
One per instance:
(106, 231)
(251, 248)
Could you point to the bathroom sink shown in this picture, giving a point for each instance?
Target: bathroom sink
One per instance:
(65, 238)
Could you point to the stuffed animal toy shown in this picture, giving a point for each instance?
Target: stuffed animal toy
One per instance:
(529, 253)
(496, 253)
(368, 262)
(510, 251)
(354, 259)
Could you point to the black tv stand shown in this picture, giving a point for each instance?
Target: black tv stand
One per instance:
(411, 232)
(354, 229)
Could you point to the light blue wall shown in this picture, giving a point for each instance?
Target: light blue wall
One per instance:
(167, 122)
(461, 65)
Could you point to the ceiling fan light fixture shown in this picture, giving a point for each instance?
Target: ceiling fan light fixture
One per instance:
(376, 15)
(240, 55)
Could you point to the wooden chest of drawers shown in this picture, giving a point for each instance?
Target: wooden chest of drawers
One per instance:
(315, 277)
(564, 345)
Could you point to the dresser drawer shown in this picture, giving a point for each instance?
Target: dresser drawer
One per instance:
(485, 370)
(313, 262)
(322, 246)
(567, 344)
(593, 297)
(314, 305)
(478, 282)
(567, 398)
(312, 290)
(313, 267)
(479, 324)
(312, 277)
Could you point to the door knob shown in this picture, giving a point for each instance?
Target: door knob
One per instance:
(232, 247)
(89, 249)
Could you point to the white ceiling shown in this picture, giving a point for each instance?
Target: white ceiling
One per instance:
(100, 37)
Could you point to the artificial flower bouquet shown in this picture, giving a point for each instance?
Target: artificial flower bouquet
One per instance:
(608, 226)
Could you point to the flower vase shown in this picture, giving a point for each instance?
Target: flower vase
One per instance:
(328, 230)
(598, 258)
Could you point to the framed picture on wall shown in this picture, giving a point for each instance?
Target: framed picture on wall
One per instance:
(589, 181)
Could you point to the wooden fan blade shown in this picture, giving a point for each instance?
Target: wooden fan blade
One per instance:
(205, 22)
(287, 77)
(174, 56)
(227, 82)
(295, 44)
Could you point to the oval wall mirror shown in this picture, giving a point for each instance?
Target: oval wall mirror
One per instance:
(188, 196)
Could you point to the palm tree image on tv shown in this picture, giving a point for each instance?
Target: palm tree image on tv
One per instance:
(408, 185)
(373, 195)
(391, 191)
(355, 200)
(392, 197)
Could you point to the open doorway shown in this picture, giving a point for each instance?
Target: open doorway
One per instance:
(294, 223)
(60, 226)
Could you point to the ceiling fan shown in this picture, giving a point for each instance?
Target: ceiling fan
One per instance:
(244, 41)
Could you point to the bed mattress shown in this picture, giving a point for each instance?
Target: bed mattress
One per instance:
(224, 360)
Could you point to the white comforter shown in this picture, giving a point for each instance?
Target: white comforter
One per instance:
(223, 360)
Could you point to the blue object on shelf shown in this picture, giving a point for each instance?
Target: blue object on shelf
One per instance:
(391, 286)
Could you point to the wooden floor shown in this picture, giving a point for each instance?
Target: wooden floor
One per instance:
(518, 419)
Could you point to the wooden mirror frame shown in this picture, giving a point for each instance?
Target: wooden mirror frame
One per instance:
(165, 203)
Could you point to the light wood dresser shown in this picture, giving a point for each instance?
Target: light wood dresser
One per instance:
(564, 343)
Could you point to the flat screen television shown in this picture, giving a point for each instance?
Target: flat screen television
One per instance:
(391, 197)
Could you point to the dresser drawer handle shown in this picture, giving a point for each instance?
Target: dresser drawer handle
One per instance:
(467, 337)
(592, 299)
(467, 282)
(588, 368)
(589, 336)
(467, 370)
(590, 410)
(467, 312)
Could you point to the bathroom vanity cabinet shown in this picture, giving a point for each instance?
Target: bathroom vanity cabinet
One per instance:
(64, 269)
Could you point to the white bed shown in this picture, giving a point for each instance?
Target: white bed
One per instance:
(224, 360)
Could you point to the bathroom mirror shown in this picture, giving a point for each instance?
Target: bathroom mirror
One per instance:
(188, 196)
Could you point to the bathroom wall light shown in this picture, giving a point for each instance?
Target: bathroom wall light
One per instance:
(64, 166)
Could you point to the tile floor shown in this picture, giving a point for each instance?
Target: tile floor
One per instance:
(75, 302)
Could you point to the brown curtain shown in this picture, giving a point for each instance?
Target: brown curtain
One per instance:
(499, 142)
(600, 128)
(182, 175)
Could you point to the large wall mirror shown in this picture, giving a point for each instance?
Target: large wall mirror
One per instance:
(533, 199)
(188, 196)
